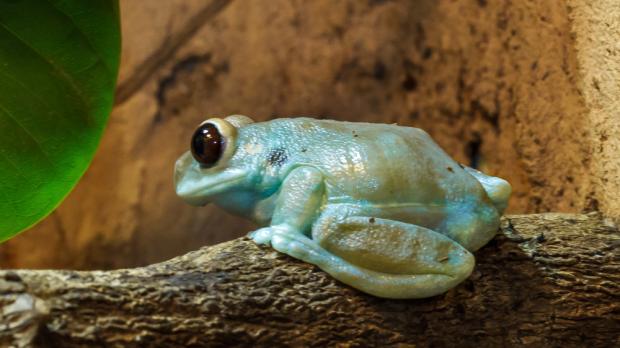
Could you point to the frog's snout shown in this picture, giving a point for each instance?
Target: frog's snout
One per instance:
(182, 183)
(181, 167)
(186, 179)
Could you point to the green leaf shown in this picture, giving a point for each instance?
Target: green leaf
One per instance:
(58, 67)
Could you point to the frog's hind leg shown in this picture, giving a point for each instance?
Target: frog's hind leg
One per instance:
(382, 257)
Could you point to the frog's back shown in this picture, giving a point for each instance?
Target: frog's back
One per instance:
(377, 163)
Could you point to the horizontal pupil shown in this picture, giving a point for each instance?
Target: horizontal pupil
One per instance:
(207, 145)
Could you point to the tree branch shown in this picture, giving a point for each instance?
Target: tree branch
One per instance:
(546, 280)
(168, 48)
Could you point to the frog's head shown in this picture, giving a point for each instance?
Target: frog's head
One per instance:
(217, 165)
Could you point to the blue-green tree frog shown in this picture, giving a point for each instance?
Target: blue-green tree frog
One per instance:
(379, 207)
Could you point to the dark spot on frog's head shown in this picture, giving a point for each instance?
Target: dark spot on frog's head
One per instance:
(450, 169)
(277, 157)
(462, 167)
(303, 150)
(371, 220)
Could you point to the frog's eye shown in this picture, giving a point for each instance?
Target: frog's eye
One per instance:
(214, 142)
(207, 145)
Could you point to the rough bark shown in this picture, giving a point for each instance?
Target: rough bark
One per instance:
(545, 280)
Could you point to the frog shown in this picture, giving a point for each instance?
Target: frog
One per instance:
(379, 207)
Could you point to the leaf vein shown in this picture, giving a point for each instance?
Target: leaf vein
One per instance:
(71, 82)
(34, 139)
(86, 38)
(25, 88)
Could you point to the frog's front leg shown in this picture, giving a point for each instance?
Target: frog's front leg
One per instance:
(381, 257)
(296, 206)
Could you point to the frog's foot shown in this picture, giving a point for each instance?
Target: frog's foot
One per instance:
(383, 257)
(264, 235)
(430, 279)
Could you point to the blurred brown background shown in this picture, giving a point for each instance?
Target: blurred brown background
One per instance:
(527, 89)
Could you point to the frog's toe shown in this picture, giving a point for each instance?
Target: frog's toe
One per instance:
(262, 235)
(298, 246)
(265, 235)
(289, 246)
(283, 244)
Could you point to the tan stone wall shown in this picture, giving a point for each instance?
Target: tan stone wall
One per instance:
(596, 27)
(526, 89)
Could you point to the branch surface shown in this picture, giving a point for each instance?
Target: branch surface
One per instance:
(545, 280)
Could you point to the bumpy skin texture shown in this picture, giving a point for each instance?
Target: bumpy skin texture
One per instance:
(379, 207)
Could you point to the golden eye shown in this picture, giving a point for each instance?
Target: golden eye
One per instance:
(207, 145)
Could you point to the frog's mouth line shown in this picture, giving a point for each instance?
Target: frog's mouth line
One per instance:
(202, 194)
(217, 188)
